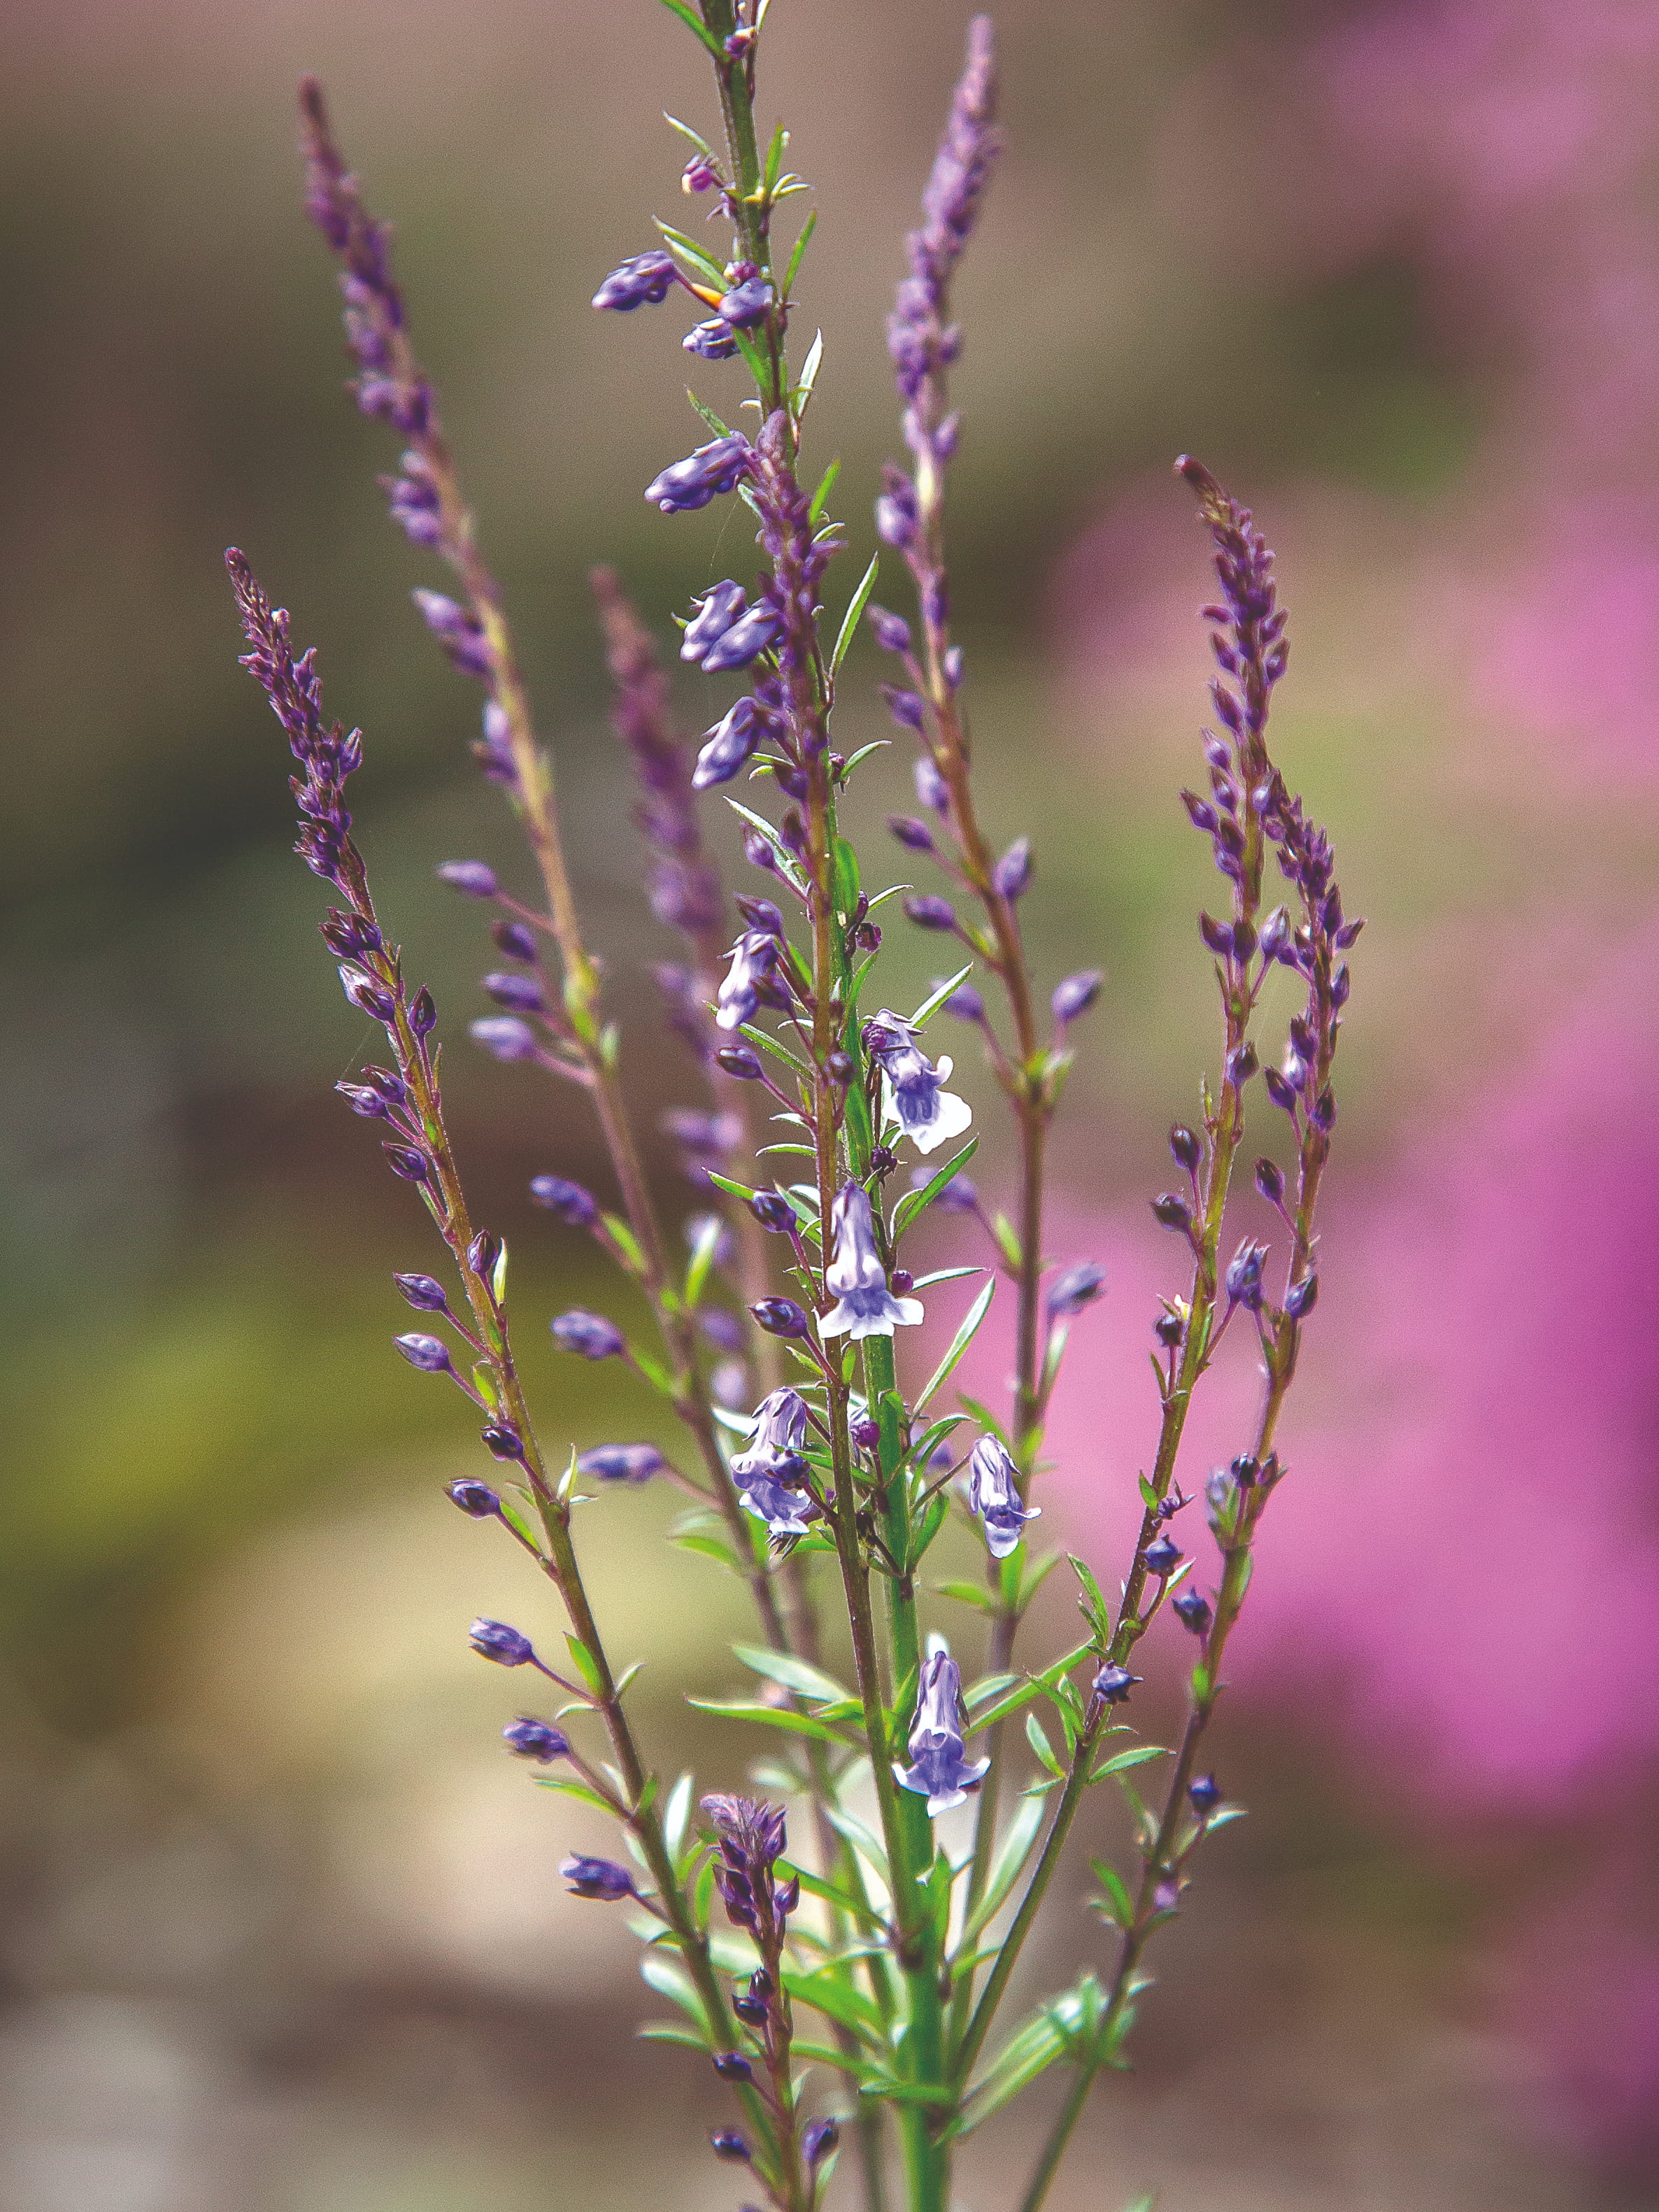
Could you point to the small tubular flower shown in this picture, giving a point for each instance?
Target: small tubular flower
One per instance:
(728, 745)
(994, 1495)
(710, 469)
(913, 1087)
(744, 640)
(768, 1473)
(642, 282)
(865, 1306)
(939, 1770)
(754, 959)
(716, 610)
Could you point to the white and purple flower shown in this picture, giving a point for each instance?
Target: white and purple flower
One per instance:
(865, 1306)
(913, 1087)
(769, 1472)
(938, 1770)
(994, 1495)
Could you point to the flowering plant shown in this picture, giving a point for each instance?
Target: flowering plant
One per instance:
(852, 1980)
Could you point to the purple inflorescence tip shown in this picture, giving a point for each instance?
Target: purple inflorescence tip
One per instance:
(919, 340)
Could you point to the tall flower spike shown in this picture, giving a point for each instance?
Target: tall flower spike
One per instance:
(913, 1087)
(865, 1306)
(938, 1770)
(993, 1494)
(917, 338)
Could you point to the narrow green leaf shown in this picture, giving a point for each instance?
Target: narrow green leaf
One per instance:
(1007, 1241)
(663, 2031)
(829, 1990)
(855, 609)
(777, 1716)
(798, 253)
(778, 1050)
(969, 1594)
(587, 1667)
(664, 1974)
(738, 1189)
(708, 1547)
(800, 396)
(931, 1005)
(820, 499)
(959, 1344)
(1006, 1868)
(675, 1813)
(702, 262)
(877, 746)
(686, 131)
(579, 1790)
(774, 160)
(693, 22)
(1122, 1761)
(844, 881)
(702, 1258)
(1037, 1737)
(914, 1201)
(807, 1681)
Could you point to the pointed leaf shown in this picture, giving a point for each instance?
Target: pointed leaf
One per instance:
(959, 1344)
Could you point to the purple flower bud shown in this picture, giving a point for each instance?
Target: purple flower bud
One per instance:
(1244, 1276)
(712, 468)
(502, 1442)
(1113, 1683)
(403, 1160)
(600, 1878)
(746, 304)
(732, 2066)
(931, 790)
(515, 939)
(727, 746)
(476, 1499)
(740, 1061)
(644, 280)
(958, 1195)
(896, 510)
(429, 1353)
(508, 1647)
(699, 175)
(965, 1004)
(928, 911)
(347, 935)
(951, 666)
(474, 878)
(504, 1037)
(758, 851)
(576, 1208)
(1282, 1092)
(361, 1100)
(761, 914)
(366, 994)
(537, 1740)
(621, 1462)
(1185, 1145)
(520, 994)
(772, 1210)
(1171, 1211)
(818, 2139)
(1241, 1065)
(1218, 935)
(1075, 994)
(780, 1317)
(455, 630)
(1205, 1795)
(748, 637)
(1077, 1287)
(1192, 1609)
(716, 612)
(838, 1066)
(1275, 934)
(423, 1013)
(1301, 1298)
(388, 1085)
(1162, 1559)
(864, 1432)
(727, 2143)
(1169, 1329)
(1011, 876)
(907, 709)
(1203, 814)
(591, 1335)
(423, 1293)
(1323, 1112)
(915, 835)
(1270, 1181)
(890, 631)
(710, 341)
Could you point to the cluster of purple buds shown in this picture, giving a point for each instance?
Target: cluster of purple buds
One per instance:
(939, 1770)
(994, 1495)
(770, 1472)
(458, 632)
(711, 470)
(728, 744)
(413, 501)
(855, 1276)
(751, 1837)
(643, 281)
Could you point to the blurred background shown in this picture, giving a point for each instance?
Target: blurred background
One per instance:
(280, 1927)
